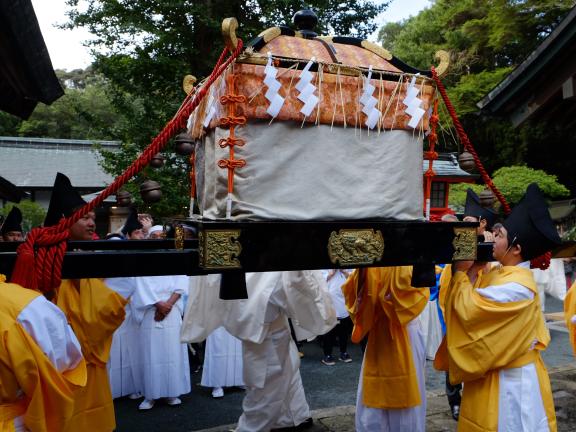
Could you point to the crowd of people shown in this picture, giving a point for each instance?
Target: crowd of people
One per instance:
(66, 355)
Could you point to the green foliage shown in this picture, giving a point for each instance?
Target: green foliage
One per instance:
(457, 198)
(570, 235)
(84, 112)
(512, 182)
(32, 213)
(9, 124)
(473, 87)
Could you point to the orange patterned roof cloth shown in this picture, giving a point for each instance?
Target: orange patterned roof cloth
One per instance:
(347, 55)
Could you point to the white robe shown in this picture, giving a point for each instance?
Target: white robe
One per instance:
(432, 328)
(124, 366)
(222, 360)
(393, 420)
(165, 367)
(520, 406)
(49, 328)
(335, 289)
(275, 396)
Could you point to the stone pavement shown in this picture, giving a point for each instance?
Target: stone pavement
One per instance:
(438, 418)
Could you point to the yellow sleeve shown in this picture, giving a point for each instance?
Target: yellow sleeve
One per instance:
(95, 312)
(50, 393)
(483, 335)
(569, 312)
(399, 299)
(358, 293)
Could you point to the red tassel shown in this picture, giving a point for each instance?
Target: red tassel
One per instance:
(541, 262)
(24, 272)
(39, 261)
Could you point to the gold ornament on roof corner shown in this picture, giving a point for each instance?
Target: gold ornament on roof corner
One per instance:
(188, 83)
(229, 26)
(466, 161)
(444, 57)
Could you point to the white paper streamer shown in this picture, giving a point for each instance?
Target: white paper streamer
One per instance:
(276, 101)
(413, 102)
(369, 102)
(210, 111)
(307, 89)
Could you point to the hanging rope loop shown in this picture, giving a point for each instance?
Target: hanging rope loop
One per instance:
(39, 259)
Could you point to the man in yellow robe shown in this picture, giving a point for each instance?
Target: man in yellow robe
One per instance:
(94, 312)
(41, 363)
(383, 305)
(495, 331)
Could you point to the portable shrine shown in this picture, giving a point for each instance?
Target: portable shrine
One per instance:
(306, 152)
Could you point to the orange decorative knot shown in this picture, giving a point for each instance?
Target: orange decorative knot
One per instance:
(231, 164)
(232, 121)
(232, 98)
(430, 155)
(231, 142)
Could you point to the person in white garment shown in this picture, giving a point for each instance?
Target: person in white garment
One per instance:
(156, 232)
(41, 362)
(385, 306)
(124, 366)
(274, 393)
(335, 279)
(222, 362)
(157, 307)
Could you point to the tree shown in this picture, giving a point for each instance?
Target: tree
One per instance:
(32, 213)
(487, 39)
(144, 48)
(84, 112)
(512, 181)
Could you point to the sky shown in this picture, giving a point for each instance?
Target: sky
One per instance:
(66, 46)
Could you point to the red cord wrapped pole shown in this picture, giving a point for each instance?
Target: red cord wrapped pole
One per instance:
(543, 261)
(39, 260)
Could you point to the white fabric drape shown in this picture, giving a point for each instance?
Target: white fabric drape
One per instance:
(48, 326)
(222, 360)
(313, 172)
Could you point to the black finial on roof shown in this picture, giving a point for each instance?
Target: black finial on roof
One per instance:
(305, 21)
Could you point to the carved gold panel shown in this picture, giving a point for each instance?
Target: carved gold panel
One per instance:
(179, 237)
(355, 246)
(219, 249)
(465, 244)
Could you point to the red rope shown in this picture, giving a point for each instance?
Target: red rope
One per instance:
(40, 257)
(543, 261)
(467, 144)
